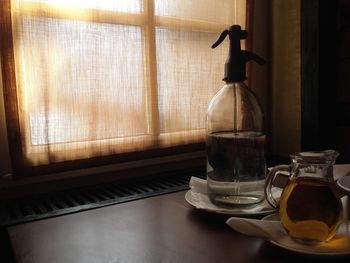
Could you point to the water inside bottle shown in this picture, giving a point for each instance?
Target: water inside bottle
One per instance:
(236, 168)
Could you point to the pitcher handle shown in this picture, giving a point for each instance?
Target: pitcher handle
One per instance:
(269, 183)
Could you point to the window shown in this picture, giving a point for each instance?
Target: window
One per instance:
(87, 79)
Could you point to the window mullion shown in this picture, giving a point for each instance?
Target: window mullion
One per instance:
(151, 69)
(81, 14)
(188, 24)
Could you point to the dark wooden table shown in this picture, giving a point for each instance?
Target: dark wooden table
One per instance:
(158, 229)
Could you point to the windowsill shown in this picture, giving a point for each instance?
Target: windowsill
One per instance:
(12, 188)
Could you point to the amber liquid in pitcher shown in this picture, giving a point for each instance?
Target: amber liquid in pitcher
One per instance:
(310, 209)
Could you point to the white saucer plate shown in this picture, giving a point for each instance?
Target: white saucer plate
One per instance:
(202, 202)
(338, 246)
(344, 183)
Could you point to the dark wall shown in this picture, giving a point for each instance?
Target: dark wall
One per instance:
(325, 74)
(342, 99)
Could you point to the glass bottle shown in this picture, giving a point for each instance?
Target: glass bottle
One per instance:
(235, 139)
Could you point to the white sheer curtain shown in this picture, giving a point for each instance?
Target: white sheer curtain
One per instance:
(100, 77)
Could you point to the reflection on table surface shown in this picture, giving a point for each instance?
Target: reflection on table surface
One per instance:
(159, 229)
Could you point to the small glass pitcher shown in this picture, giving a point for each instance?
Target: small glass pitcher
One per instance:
(310, 208)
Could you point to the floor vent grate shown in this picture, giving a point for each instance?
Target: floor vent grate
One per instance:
(43, 206)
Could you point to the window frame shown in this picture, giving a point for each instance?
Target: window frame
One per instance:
(148, 21)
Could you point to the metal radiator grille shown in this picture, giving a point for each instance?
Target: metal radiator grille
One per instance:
(79, 199)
